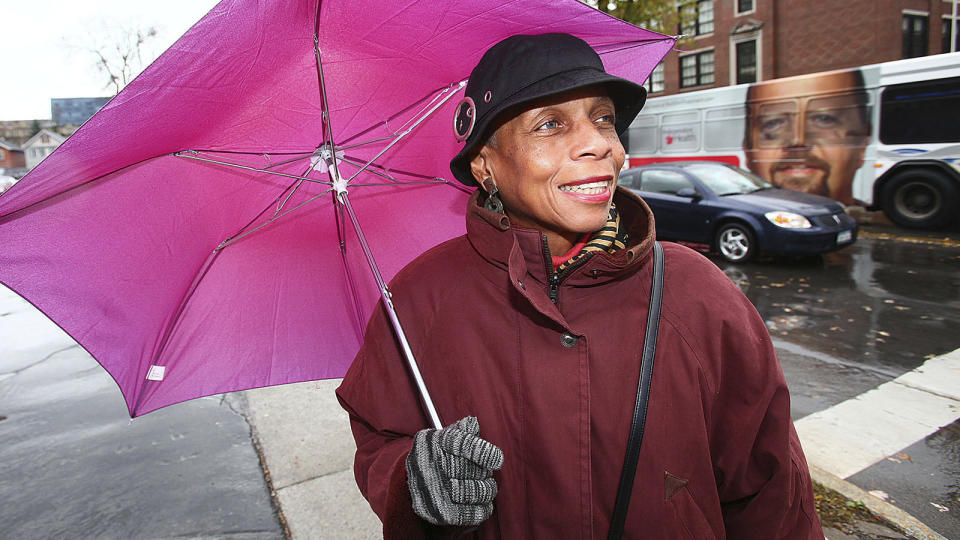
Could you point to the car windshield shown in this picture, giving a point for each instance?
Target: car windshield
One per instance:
(725, 180)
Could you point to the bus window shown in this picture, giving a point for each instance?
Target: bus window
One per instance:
(643, 134)
(723, 129)
(680, 132)
(915, 113)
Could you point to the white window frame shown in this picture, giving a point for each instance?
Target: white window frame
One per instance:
(736, 7)
(757, 36)
(694, 53)
(648, 84)
(695, 35)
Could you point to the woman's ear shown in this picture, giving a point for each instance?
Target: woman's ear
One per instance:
(480, 166)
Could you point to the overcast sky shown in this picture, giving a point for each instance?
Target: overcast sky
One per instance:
(39, 63)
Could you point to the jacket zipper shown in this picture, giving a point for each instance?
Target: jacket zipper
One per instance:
(554, 278)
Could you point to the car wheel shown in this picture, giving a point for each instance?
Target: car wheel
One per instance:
(735, 242)
(920, 199)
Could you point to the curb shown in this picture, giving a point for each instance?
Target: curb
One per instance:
(884, 510)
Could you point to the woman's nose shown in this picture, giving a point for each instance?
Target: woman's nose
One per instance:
(592, 139)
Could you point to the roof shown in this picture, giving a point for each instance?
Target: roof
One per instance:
(54, 135)
(10, 146)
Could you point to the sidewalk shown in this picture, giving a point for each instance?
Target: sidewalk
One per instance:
(307, 452)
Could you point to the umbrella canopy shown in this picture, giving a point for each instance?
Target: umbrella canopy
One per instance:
(189, 234)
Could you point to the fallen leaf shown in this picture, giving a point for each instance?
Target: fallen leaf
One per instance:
(907, 457)
(888, 301)
(834, 328)
(884, 334)
(893, 459)
(940, 507)
(867, 308)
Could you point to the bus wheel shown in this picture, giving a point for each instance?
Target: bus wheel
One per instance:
(735, 242)
(921, 199)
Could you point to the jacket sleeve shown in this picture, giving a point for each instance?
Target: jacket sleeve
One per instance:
(761, 473)
(385, 414)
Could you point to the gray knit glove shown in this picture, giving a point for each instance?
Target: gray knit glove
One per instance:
(450, 474)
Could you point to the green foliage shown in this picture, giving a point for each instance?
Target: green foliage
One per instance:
(658, 15)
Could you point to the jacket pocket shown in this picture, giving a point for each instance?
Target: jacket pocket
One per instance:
(691, 521)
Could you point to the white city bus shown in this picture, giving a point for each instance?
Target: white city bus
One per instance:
(884, 136)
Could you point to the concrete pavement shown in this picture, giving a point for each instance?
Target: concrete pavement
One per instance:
(307, 454)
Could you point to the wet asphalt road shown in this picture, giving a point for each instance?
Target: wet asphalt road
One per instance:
(849, 321)
(75, 466)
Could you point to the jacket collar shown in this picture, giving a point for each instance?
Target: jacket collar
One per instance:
(521, 251)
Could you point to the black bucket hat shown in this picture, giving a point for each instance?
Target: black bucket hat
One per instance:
(523, 68)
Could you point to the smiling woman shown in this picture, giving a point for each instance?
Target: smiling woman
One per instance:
(532, 325)
(555, 165)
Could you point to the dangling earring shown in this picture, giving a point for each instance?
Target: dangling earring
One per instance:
(493, 202)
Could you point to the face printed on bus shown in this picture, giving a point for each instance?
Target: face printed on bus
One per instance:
(808, 133)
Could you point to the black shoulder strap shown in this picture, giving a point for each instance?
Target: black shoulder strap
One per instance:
(643, 395)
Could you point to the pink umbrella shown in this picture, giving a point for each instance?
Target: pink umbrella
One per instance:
(193, 235)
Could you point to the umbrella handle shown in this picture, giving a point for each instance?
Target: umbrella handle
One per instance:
(392, 313)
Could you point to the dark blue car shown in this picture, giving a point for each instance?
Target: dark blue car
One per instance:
(737, 213)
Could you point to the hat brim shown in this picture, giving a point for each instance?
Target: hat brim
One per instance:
(628, 98)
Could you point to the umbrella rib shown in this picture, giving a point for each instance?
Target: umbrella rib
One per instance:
(639, 43)
(384, 174)
(450, 91)
(239, 236)
(431, 96)
(186, 154)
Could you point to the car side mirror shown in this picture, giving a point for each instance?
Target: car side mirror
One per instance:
(689, 193)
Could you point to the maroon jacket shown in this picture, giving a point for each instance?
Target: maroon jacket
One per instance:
(720, 457)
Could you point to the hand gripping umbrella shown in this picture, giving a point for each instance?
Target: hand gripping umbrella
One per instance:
(201, 233)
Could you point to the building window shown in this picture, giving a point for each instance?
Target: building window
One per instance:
(3, 154)
(747, 61)
(914, 35)
(655, 81)
(947, 33)
(696, 18)
(744, 6)
(696, 69)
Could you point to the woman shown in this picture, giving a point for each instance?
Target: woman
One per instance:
(531, 326)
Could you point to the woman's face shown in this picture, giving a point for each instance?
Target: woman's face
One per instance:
(556, 164)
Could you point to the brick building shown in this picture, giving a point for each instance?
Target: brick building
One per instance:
(742, 41)
(12, 159)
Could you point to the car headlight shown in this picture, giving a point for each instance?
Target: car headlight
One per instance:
(788, 220)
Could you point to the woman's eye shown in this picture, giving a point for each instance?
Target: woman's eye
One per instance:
(607, 119)
(549, 124)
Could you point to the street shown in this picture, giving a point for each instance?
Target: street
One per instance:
(846, 325)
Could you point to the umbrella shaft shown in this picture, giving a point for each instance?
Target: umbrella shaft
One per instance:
(392, 313)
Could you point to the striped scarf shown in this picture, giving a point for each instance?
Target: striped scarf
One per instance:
(609, 238)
